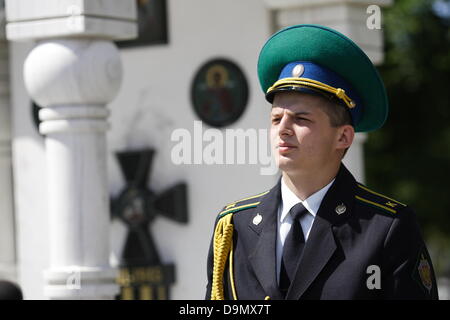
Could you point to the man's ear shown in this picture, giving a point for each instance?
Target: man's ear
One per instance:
(346, 134)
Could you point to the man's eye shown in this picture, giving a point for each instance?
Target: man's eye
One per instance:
(275, 120)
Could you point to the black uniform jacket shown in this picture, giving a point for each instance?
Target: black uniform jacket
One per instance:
(362, 245)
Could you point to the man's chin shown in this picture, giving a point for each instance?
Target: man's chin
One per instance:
(287, 164)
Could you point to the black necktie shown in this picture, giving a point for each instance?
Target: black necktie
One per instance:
(293, 247)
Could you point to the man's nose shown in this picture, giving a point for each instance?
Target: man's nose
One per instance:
(285, 125)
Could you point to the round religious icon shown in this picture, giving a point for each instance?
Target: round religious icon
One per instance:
(219, 92)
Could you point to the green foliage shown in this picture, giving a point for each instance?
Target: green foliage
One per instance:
(409, 158)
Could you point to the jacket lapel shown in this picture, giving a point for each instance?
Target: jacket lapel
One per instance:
(321, 243)
(263, 258)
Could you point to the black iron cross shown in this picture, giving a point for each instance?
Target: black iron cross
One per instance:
(142, 275)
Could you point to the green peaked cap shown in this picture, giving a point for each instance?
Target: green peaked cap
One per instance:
(333, 50)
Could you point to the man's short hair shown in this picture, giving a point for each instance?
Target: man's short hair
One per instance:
(338, 113)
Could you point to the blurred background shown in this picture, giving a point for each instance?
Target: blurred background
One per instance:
(409, 157)
(100, 99)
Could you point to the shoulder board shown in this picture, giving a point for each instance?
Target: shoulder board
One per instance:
(371, 198)
(242, 204)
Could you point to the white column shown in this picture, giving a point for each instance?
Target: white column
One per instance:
(7, 234)
(72, 73)
(353, 18)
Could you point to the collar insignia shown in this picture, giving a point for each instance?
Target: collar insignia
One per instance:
(340, 209)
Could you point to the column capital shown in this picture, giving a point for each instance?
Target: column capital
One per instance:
(104, 19)
(73, 72)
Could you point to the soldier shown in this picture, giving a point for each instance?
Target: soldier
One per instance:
(318, 234)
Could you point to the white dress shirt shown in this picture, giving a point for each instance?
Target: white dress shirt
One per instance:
(288, 200)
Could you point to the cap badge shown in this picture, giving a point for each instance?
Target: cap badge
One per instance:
(257, 219)
(340, 209)
(298, 70)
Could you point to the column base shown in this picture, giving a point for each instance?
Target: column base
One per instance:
(81, 283)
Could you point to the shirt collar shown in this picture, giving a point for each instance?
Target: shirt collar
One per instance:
(312, 203)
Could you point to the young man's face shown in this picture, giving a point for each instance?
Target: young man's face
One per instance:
(303, 140)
